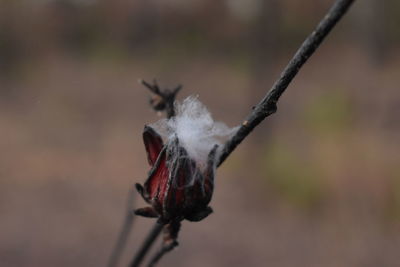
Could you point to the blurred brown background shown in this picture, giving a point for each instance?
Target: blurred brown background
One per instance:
(317, 184)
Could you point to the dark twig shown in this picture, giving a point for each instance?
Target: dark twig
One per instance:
(147, 244)
(267, 106)
(169, 242)
(125, 230)
(164, 249)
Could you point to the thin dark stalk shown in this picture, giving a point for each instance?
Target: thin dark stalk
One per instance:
(125, 231)
(152, 236)
(267, 106)
(161, 252)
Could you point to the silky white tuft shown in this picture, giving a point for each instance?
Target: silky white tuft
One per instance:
(195, 128)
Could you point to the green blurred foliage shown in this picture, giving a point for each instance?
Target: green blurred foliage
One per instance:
(328, 112)
(293, 177)
(392, 206)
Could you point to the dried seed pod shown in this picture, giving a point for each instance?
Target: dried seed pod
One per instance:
(176, 187)
(180, 183)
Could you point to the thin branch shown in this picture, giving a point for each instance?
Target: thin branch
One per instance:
(267, 106)
(125, 230)
(152, 236)
(164, 249)
(169, 242)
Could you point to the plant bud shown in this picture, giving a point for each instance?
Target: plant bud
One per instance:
(177, 187)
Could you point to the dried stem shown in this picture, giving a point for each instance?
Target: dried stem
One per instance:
(265, 108)
(137, 260)
(125, 231)
(163, 250)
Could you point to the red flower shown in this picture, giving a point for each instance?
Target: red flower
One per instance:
(177, 188)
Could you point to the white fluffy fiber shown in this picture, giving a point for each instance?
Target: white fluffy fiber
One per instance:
(195, 128)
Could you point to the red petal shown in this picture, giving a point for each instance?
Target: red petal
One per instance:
(157, 182)
(181, 182)
(153, 143)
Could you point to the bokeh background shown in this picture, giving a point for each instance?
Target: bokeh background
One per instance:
(317, 184)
